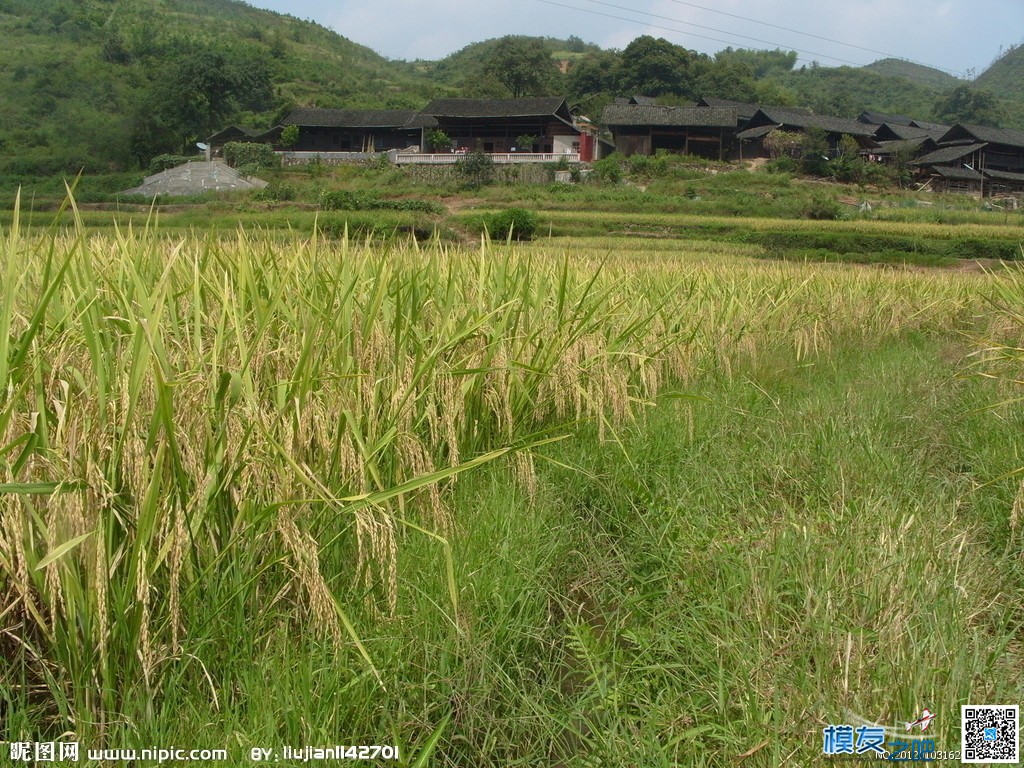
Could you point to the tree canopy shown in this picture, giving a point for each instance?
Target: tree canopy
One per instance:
(523, 65)
(968, 105)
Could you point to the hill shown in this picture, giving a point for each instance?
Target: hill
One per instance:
(928, 77)
(464, 69)
(104, 83)
(845, 91)
(1005, 76)
(108, 84)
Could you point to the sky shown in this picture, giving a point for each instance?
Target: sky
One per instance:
(954, 35)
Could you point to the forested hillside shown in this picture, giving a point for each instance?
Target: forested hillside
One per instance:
(112, 82)
(1006, 75)
(108, 84)
(915, 73)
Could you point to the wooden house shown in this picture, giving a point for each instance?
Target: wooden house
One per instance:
(639, 129)
(356, 130)
(977, 160)
(953, 168)
(495, 125)
(215, 143)
(769, 119)
(1003, 148)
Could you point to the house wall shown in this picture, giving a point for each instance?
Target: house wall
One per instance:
(1000, 157)
(323, 139)
(645, 140)
(562, 144)
(630, 140)
(499, 135)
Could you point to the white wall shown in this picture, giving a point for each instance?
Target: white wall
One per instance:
(562, 144)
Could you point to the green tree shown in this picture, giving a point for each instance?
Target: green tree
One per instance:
(524, 66)
(966, 105)
(761, 63)
(525, 142)
(592, 74)
(476, 168)
(289, 136)
(202, 91)
(439, 141)
(783, 144)
(814, 152)
(655, 67)
(728, 80)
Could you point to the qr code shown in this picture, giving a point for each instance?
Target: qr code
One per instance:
(991, 733)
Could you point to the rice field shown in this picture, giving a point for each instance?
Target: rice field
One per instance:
(403, 487)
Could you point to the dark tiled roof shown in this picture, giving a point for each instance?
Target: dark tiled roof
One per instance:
(745, 109)
(644, 101)
(352, 118)
(929, 126)
(678, 117)
(755, 133)
(229, 133)
(948, 172)
(949, 154)
(903, 132)
(787, 117)
(988, 135)
(271, 135)
(877, 118)
(895, 147)
(1005, 175)
(531, 107)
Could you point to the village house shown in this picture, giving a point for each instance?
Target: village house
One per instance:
(975, 159)
(496, 125)
(645, 129)
(215, 143)
(356, 130)
(767, 120)
(962, 158)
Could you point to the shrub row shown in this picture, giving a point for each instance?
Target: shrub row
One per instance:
(250, 157)
(165, 162)
(857, 242)
(344, 200)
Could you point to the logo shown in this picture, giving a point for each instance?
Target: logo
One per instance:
(889, 743)
(924, 721)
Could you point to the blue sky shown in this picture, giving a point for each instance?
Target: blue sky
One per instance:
(952, 34)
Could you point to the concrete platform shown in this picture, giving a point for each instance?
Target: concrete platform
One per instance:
(195, 178)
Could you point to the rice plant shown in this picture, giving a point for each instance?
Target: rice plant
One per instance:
(194, 425)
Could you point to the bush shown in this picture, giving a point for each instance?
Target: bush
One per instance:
(782, 165)
(277, 192)
(643, 165)
(290, 136)
(822, 209)
(515, 223)
(439, 141)
(50, 164)
(343, 200)
(249, 157)
(164, 162)
(476, 168)
(609, 169)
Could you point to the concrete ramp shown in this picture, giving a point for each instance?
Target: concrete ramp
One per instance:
(195, 178)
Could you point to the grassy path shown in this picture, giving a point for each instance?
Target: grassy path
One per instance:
(795, 548)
